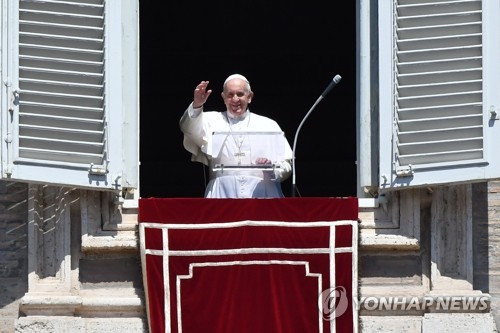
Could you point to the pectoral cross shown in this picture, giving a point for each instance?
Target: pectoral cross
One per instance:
(239, 155)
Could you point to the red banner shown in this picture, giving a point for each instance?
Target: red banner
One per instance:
(250, 265)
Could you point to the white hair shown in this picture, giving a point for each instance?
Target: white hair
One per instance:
(236, 76)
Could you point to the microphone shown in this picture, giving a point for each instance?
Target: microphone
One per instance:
(332, 84)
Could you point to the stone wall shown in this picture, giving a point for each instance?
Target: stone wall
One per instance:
(84, 270)
(69, 262)
(13, 251)
(487, 259)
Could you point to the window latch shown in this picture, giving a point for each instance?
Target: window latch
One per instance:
(493, 113)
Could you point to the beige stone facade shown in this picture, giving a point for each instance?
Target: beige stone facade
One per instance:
(69, 261)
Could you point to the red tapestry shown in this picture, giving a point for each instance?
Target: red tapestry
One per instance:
(250, 265)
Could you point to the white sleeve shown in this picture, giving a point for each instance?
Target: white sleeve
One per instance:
(191, 124)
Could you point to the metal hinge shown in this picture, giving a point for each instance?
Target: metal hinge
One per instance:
(404, 171)
(97, 169)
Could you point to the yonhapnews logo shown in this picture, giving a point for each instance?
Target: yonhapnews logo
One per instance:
(333, 303)
(445, 303)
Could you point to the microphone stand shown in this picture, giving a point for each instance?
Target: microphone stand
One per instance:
(294, 186)
(336, 80)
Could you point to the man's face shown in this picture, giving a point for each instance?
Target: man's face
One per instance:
(236, 97)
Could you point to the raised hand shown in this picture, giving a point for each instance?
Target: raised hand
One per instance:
(201, 94)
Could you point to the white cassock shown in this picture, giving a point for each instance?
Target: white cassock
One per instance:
(198, 127)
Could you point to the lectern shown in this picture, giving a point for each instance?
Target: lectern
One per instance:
(238, 150)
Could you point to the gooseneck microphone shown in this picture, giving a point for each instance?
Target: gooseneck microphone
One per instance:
(332, 84)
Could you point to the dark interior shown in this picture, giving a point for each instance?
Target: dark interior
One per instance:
(289, 51)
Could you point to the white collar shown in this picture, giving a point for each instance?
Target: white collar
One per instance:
(235, 119)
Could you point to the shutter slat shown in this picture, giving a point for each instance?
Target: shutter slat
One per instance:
(58, 41)
(449, 110)
(439, 88)
(59, 72)
(62, 122)
(61, 133)
(27, 50)
(62, 145)
(51, 28)
(51, 156)
(426, 66)
(443, 146)
(439, 76)
(73, 88)
(440, 123)
(439, 30)
(451, 157)
(436, 134)
(51, 109)
(440, 42)
(51, 75)
(445, 54)
(440, 99)
(435, 20)
(62, 99)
